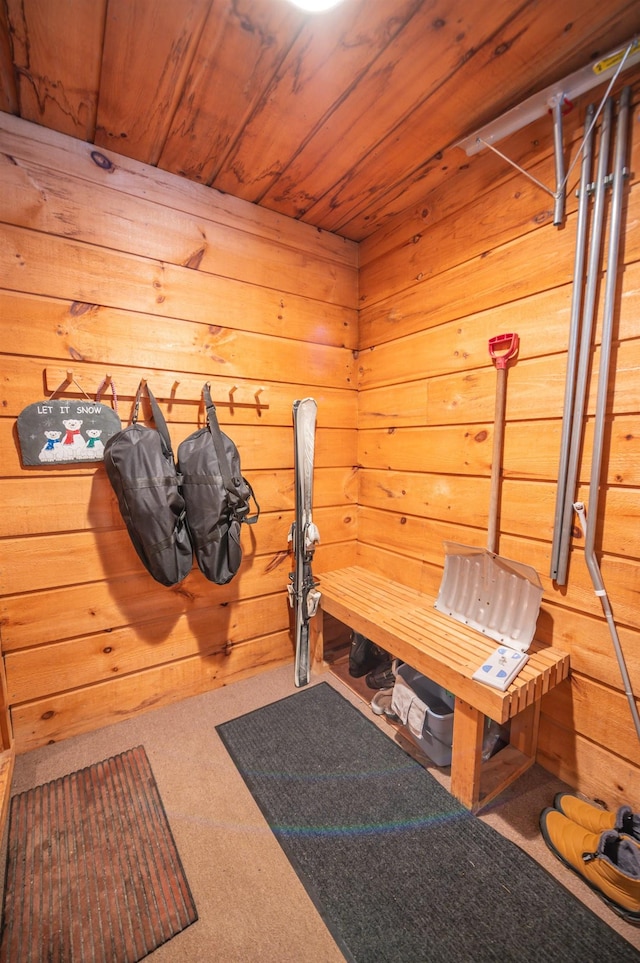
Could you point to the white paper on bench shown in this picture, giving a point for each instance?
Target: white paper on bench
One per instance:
(501, 667)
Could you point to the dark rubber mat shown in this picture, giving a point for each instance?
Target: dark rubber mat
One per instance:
(399, 870)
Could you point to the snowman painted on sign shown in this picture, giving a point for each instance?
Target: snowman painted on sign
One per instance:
(49, 451)
(94, 450)
(73, 444)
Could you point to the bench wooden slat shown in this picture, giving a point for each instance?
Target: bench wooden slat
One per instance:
(396, 617)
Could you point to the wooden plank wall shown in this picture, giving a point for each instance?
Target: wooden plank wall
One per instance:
(477, 258)
(109, 267)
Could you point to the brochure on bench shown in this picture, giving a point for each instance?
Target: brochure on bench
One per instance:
(502, 666)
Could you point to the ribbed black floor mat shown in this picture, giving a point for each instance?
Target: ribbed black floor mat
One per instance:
(398, 869)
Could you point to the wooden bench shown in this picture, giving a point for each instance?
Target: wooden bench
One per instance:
(404, 623)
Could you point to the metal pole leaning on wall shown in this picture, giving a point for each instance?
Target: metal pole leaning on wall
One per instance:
(595, 245)
(617, 179)
(574, 332)
(559, 197)
(589, 527)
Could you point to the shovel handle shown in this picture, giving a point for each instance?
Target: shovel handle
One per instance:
(503, 347)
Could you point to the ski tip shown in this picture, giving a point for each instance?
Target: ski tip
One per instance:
(305, 401)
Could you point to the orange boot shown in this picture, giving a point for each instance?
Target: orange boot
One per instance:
(608, 862)
(595, 819)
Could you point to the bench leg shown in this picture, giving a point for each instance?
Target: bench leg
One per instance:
(502, 769)
(466, 756)
(316, 639)
(524, 730)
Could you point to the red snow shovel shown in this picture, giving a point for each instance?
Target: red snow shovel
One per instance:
(497, 596)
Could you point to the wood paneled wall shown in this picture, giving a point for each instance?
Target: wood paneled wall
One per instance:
(109, 267)
(480, 257)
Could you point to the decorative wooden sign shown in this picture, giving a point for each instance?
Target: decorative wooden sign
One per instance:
(60, 431)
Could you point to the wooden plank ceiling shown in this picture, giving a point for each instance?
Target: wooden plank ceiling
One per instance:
(335, 118)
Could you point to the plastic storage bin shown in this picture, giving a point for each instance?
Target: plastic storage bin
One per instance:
(426, 711)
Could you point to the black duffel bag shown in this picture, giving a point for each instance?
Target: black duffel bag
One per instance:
(217, 497)
(141, 468)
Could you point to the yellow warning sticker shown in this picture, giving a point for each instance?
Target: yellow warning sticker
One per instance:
(615, 58)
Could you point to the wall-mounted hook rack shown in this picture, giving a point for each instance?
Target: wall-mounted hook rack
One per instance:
(165, 385)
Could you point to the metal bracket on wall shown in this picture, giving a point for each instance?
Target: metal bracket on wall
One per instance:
(555, 99)
(89, 379)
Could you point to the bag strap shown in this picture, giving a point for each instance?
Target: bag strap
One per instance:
(230, 483)
(158, 417)
(218, 444)
(251, 520)
(103, 384)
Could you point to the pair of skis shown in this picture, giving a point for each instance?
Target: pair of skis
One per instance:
(303, 535)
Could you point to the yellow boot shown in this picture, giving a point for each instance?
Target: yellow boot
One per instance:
(608, 862)
(595, 819)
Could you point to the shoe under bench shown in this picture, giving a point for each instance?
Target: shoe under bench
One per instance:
(405, 623)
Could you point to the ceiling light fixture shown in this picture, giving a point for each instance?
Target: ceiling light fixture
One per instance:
(315, 6)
